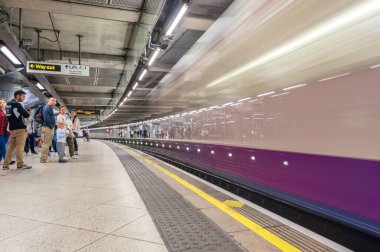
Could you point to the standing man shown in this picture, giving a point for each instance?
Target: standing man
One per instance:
(30, 140)
(16, 114)
(76, 129)
(47, 129)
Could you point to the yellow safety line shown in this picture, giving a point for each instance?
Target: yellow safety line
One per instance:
(233, 203)
(256, 228)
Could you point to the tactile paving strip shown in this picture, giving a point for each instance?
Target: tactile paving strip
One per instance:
(297, 239)
(182, 226)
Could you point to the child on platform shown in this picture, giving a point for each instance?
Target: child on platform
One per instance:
(62, 133)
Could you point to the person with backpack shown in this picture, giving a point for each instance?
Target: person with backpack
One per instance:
(18, 134)
(48, 124)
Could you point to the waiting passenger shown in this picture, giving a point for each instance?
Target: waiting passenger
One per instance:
(4, 133)
(47, 129)
(76, 129)
(62, 134)
(16, 114)
(30, 140)
(69, 126)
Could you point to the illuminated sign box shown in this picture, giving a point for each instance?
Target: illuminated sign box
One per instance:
(55, 68)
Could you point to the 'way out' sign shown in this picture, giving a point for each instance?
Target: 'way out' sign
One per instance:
(55, 68)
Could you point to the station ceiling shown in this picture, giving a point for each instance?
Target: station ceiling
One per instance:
(183, 76)
(114, 37)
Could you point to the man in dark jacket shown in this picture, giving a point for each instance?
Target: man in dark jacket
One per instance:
(16, 114)
(47, 129)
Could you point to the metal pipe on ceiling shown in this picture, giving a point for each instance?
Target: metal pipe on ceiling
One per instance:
(38, 44)
(56, 36)
(79, 41)
(20, 24)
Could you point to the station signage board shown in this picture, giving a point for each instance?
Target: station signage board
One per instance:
(86, 112)
(56, 68)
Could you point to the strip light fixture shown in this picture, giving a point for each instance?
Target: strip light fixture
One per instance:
(333, 77)
(129, 94)
(142, 75)
(295, 86)
(135, 86)
(375, 66)
(269, 93)
(245, 99)
(10, 55)
(40, 87)
(180, 15)
(155, 54)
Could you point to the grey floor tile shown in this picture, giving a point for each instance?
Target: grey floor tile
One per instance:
(141, 229)
(49, 238)
(120, 244)
(103, 218)
(131, 200)
(97, 196)
(50, 210)
(10, 226)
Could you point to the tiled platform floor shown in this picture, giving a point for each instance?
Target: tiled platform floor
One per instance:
(89, 204)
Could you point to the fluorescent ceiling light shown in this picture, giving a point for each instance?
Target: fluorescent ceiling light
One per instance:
(40, 86)
(253, 100)
(135, 86)
(10, 55)
(177, 19)
(142, 75)
(239, 103)
(129, 94)
(333, 77)
(226, 104)
(280, 94)
(269, 93)
(353, 16)
(296, 86)
(125, 99)
(375, 66)
(155, 54)
(245, 99)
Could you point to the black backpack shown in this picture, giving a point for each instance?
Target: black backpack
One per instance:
(38, 116)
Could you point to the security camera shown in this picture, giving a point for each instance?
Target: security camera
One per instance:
(26, 42)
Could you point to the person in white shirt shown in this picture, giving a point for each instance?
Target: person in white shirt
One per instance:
(30, 140)
(69, 126)
(62, 134)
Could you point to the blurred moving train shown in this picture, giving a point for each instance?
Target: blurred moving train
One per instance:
(285, 107)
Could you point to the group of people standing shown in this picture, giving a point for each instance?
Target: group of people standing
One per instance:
(20, 127)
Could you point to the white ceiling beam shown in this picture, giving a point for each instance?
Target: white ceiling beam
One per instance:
(76, 9)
